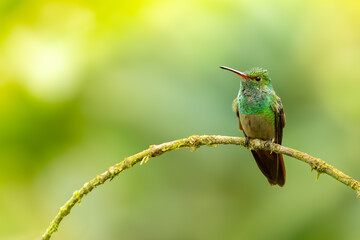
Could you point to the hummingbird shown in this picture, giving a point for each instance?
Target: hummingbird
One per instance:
(261, 115)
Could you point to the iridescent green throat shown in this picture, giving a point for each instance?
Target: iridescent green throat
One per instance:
(255, 99)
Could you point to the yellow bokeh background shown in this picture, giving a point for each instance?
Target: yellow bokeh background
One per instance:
(84, 84)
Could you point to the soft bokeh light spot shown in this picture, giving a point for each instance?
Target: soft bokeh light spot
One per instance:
(48, 60)
(47, 69)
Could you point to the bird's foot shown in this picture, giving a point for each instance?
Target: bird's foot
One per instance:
(269, 142)
(247, 140)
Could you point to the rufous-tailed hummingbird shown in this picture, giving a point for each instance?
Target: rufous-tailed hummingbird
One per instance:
(261, 115)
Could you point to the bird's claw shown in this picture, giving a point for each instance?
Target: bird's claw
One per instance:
(269, 142)
(247, 140)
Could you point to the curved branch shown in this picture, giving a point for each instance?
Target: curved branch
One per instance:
(194, 142)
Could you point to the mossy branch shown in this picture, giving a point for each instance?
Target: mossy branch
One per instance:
(194, 142)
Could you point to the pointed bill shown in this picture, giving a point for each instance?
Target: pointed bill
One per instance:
(241, 74)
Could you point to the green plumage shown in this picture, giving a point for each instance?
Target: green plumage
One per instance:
(257, 97)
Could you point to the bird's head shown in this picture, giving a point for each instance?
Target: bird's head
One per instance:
(256, 77)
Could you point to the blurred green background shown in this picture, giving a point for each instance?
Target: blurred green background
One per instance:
(84, 84)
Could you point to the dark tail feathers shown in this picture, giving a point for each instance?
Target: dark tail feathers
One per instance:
(272, 166)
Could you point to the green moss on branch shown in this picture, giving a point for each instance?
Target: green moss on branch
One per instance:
(194, 142)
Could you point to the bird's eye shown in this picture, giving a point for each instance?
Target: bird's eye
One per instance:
(258, 79)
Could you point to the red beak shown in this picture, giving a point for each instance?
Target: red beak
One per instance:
(241, 74)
